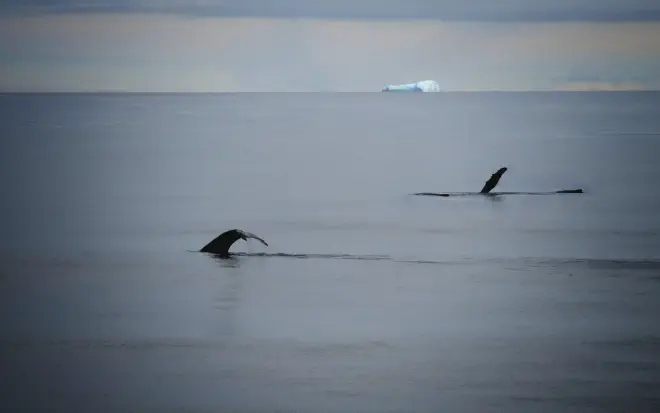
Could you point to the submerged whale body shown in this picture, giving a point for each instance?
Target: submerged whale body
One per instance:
(452, 194)
(220, 245)
(491, 183)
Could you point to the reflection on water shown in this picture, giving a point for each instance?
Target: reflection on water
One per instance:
(364, 334)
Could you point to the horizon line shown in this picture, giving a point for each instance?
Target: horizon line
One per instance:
(137, 92)
(193, 12)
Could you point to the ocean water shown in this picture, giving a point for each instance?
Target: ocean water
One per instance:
(367, 299)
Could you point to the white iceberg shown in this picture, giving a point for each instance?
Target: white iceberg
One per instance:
(421, 86)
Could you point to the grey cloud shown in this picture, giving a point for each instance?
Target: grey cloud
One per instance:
(449, 10)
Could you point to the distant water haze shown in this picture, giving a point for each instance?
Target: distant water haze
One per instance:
(174, 52)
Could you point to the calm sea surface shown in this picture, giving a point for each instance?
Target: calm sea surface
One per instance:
(367, 299)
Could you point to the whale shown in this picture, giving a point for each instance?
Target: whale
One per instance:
(491, 183)
(219, 246)
(494, 179)
(452, 194)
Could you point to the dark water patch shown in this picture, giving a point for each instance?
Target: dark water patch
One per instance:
(299, 347)
(642, 342)
(319, 256)
(523, 262)
(610, 264)
(623, 133)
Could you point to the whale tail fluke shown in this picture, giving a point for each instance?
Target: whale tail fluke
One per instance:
(494, 179)
(220, 245)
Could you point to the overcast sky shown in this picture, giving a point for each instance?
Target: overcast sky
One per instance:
(328, 45)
